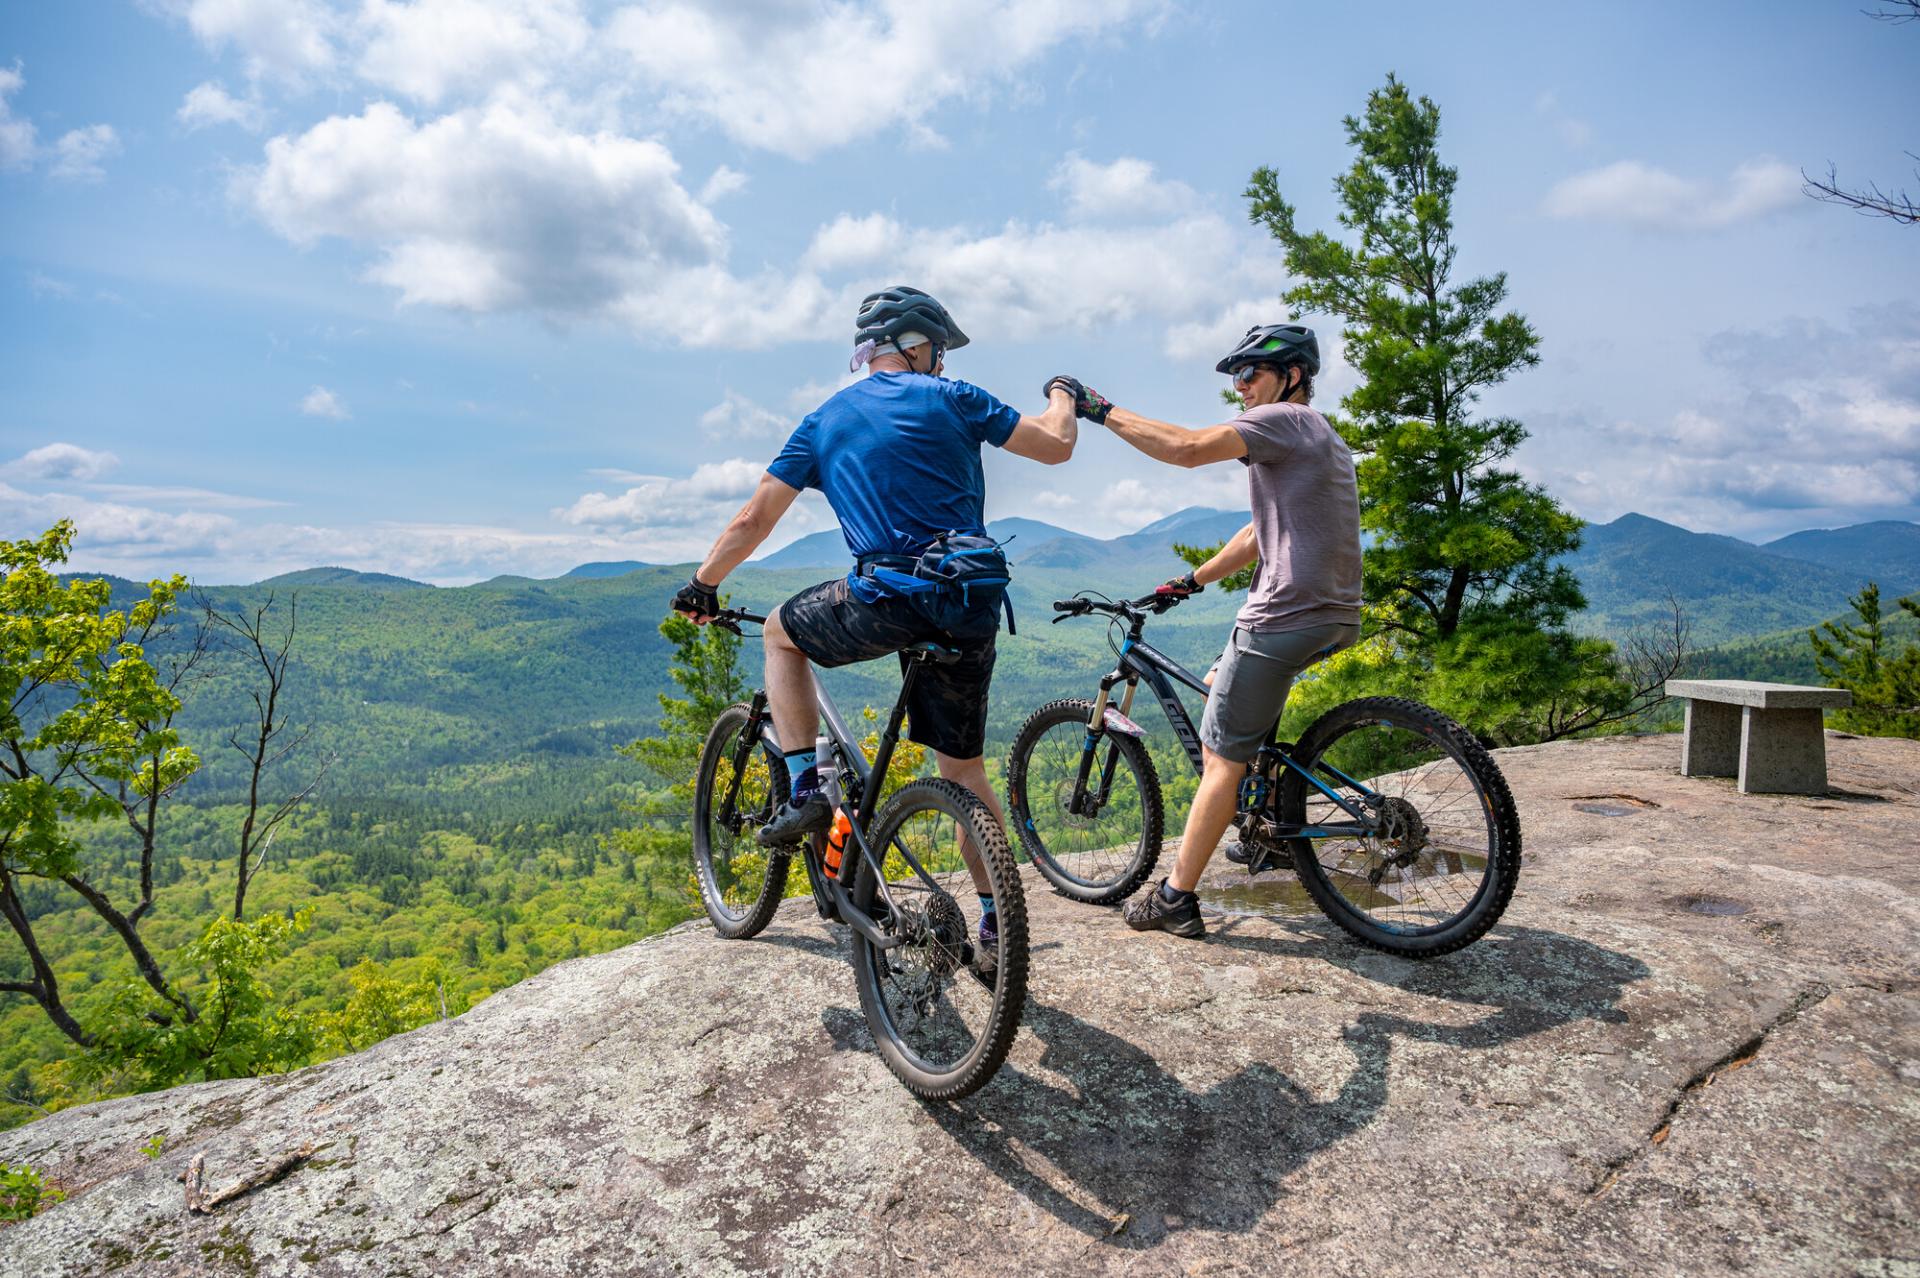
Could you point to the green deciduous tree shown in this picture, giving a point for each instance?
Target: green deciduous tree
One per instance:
(240, 1032)
(1855, 656)
(1461, 571)
(381, 1005)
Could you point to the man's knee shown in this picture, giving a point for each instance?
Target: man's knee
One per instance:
(953, 769)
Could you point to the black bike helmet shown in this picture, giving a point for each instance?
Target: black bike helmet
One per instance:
(893, 312)
(1279, 344)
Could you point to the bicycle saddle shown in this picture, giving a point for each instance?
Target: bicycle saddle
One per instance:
(927, 650)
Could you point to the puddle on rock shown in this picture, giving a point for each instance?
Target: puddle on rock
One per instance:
(1717, 906)
(1605, 809)
(1270, 894)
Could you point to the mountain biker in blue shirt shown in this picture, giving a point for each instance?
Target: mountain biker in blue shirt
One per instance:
(897, 456)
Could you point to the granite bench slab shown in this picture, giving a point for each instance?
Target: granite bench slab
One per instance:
(1771, 736)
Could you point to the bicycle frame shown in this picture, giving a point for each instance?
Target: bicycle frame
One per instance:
(830, 894)
(1141, 661)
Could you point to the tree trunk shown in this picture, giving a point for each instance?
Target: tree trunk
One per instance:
(130, 937)
(44, 989)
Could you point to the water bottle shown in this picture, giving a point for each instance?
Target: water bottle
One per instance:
(837, 842)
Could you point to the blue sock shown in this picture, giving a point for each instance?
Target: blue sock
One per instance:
(802, 767)
(986, 904)
(1171, 894)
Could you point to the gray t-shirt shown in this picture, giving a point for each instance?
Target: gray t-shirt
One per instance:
(1306, 518)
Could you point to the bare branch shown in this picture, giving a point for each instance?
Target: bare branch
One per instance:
(1895, 11)
(1872, 201)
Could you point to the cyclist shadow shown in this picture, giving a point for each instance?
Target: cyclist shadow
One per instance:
(1119, 1135)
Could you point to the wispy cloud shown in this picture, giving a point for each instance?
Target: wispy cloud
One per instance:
(1641, 195)
(80, 155)
(210, 104)
(321, 402)
(61, 461)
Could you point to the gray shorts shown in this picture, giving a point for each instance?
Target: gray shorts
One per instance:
(1252, 679)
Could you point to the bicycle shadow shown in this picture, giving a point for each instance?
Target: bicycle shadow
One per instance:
(1120, 1134)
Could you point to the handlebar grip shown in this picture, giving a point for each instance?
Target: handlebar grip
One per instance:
(1069, 605)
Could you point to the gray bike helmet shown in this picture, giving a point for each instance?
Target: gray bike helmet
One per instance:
(893, 312)
(1280, 344)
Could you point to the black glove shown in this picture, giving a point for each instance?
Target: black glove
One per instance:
(697, 600)
(1179, 588)
(1090, 404)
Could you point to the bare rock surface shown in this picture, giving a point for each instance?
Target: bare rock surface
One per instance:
(1692, 1046)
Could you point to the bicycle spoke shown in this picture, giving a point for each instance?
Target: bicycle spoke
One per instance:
(1096, 848)
(1430, 868)
(934, 1001)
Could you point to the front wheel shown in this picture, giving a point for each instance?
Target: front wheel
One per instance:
(944, 1004)
(1095, 837)
(739, 784)
(1442, 864)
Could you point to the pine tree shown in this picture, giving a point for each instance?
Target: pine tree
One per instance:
(1853, 655)
(1461, 574)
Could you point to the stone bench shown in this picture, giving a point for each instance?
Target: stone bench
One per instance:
(1770, 735)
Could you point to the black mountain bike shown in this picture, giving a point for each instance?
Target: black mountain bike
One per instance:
(1396, 819)
(943, 1007)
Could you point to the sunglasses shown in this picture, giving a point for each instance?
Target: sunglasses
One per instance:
(1244, 375)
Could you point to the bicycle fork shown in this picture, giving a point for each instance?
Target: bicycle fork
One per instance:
(1100, 723)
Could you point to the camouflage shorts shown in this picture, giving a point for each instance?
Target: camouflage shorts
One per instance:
(947, 710)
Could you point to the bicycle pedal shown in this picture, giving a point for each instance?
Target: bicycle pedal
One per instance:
(1269, 859)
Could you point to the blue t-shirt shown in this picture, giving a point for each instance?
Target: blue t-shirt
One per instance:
(898, 457)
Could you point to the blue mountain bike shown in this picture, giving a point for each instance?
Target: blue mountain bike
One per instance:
(1396, 819)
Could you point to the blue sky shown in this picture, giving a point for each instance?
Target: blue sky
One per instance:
(452, 288)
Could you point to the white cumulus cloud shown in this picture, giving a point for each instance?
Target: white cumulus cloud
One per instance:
(1125, 188)
(79, 155)
(801, 78)
(62, 461)
(16, 136)
(209, 104)
(429, 49)
(488, 208)
(702, 500)
(1642, 195)
(288, 40)
(737, 417)
(321, 402)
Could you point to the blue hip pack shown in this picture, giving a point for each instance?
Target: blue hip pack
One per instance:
(970, 567)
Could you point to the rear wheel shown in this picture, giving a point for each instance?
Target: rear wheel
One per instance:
(1444, 862)
(740, 882)
(944, 1005)
(1091, 849)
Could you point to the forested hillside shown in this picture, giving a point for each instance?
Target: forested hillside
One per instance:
(474, 824)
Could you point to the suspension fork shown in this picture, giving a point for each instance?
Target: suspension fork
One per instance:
(1081, 801)
(743, 754)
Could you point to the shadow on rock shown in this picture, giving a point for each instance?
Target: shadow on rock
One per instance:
(1121, 1134)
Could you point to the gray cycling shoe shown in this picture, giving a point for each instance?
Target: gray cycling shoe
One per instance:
(1152, 911)
(796, 819)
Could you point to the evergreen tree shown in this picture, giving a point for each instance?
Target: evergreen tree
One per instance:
(1460, 575)
(1886, 688)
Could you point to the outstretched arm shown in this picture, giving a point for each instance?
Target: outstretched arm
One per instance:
(1050, 437)
(1176, 445)
(1241, 549)
(747, 529)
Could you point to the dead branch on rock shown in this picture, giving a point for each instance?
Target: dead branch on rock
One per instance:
(202, 1203)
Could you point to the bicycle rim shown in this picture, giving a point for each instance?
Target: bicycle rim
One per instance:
(1099, 856)
(740, 882)
(1428, 880)
(943, 1006)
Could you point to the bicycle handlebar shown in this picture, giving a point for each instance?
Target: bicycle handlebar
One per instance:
(1132, 609)
(729, 619)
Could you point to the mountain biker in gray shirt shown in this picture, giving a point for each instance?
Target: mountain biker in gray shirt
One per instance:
(1304, 603)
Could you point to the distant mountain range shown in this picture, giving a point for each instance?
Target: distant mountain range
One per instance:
(1036, 544)
(1729, 589)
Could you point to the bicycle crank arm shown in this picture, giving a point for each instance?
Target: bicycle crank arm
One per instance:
(860, 921)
